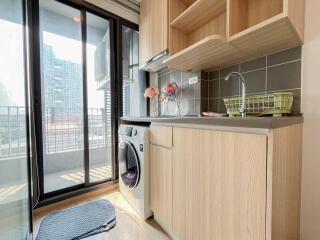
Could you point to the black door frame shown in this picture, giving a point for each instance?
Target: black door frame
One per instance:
(116, 79)
(119, 75)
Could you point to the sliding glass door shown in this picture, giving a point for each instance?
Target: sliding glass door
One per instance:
(98, 85)
(76, 109)
(61, 95)
(15, 212)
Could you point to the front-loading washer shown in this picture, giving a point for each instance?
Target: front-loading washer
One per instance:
(133, 158)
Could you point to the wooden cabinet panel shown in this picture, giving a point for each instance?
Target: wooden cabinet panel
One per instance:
(284, 183)
(153, 33)
(161, 185)
(145, 31)
(161, 135)
(219, 188)
(252, 28)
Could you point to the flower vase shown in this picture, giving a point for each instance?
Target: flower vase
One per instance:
(154, 107)
(178, 107)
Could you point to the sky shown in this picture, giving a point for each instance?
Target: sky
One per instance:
(11, 61)
(12, 65)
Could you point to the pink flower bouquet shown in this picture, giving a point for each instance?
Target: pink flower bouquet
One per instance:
(151, 92)
(171, 90)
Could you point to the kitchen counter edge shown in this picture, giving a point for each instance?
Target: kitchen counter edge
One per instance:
(246, 122)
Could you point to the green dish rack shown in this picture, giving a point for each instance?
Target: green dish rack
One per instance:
(275, 104)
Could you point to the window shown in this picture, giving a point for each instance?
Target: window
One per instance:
(14, 182)
(77, 119)
(133, 81)
(76, 108)
(62, 95)
(99, 98)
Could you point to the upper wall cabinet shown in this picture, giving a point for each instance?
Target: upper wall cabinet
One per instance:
(262, 26)
(153, 29)
(207, 34)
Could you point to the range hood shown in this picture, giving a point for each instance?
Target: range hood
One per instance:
(156, 63)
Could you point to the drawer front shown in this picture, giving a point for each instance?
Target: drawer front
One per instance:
(161, 136)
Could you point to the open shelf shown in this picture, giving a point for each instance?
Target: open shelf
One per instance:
(244, 14)
(210, 51)
(209, 34)
(198, 14)
(188, 2)
(274, 34)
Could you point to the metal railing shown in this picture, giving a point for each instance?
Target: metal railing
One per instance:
(63, 130)
(12, 131)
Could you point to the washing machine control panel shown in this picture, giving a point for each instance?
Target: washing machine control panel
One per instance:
(129, 131)
(134, 132)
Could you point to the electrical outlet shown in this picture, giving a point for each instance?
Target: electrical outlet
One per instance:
(193, 80)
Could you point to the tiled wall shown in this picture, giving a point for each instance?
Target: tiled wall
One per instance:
(189, 96)
(272, 73)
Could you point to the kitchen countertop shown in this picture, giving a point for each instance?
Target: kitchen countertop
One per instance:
(242, 122)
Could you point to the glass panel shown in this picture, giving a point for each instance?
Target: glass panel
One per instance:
(14, 197)
(62, 91)
(133, 80)
(99, 98)
(129, 167)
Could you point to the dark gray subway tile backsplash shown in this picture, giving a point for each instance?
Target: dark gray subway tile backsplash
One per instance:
(292, 54)
(273, 73)
(255, 81)
(284, 76)
(189, 96)
(253, 64)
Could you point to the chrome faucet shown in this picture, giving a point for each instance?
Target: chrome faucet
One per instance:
(242, 109)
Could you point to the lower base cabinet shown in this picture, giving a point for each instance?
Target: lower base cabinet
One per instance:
(228, 185)
(161, 185)
(219, 185)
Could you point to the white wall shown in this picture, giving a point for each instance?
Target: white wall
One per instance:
(116, 9)
(310, 215)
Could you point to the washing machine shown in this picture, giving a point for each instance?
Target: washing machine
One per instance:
(133, 157)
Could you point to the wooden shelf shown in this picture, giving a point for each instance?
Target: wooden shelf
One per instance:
(253, 29)
(198, 14)
(274, 34)
(210, 51)
(188, 2)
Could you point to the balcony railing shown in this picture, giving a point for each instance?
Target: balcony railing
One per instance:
(12, 131)
(63, 130)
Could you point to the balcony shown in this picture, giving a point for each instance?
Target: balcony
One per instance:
(63, 147)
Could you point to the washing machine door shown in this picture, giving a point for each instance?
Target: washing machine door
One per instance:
(129, 166)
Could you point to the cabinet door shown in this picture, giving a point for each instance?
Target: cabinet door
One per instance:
(219, 185)
(153, 30)
(161, 185)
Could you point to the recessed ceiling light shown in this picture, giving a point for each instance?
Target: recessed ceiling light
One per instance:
(76, 19)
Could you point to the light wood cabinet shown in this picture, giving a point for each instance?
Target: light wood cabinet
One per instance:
(161, 135)
(161, 185)
(227, 185)
(153, 33)
(219, 185)
(161, 175)
(208, 34)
